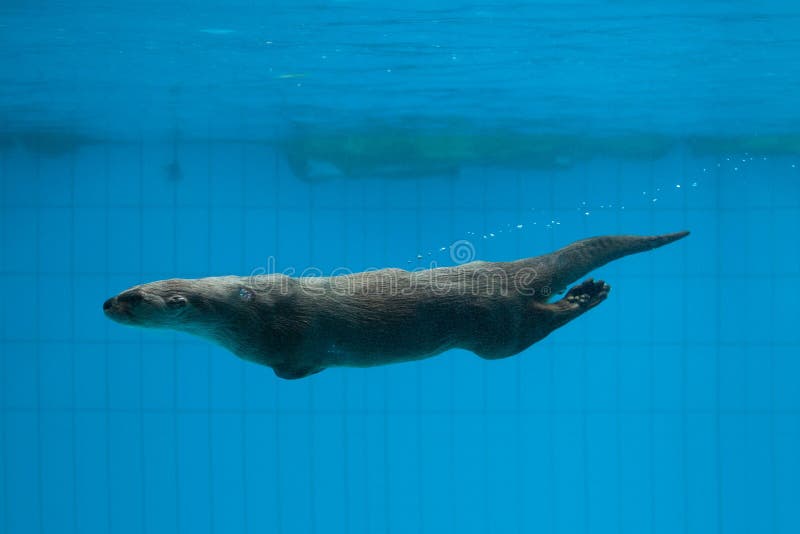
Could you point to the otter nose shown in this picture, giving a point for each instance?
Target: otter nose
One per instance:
(107, 305)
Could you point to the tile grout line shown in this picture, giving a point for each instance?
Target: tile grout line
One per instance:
(276, 385)
(745, 344)
(344, 418)
(418, 371)
(717, 364)
(73, 353)
(140, 349)
(485, 387)
(3, 355)
(209, 351)
(559, 344)
(387, 508)
(677, 412)
(518, 442)
(106, 353)
(773, 464)
(465, 209)
(311, 397)
(451, 464)
(584, 379)
(684, 365)
(552, 394)
(652, 357)
(243, 366)
(617, 370)
(364, 386)
(278, 463)
(175, 371)
(38, 213)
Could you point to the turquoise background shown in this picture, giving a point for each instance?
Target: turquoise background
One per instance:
(143, 141)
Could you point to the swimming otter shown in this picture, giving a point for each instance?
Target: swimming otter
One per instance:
(300, 326)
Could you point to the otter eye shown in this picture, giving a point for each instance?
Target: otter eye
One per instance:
(176, 301)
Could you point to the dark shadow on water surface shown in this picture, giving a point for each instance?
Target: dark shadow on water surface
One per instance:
(386, 151)
(403, 151)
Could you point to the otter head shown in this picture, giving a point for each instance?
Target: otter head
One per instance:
(163, 304)
(241, 314)
(202, 306)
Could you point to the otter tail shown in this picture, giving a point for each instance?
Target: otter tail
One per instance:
(574, 261)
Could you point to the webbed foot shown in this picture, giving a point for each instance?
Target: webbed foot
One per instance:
(586, 295)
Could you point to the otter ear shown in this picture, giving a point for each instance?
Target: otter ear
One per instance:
(176, 302)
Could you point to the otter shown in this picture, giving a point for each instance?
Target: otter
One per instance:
(301, 326)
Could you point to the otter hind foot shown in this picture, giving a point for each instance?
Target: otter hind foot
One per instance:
(578, 300)
(586, 295)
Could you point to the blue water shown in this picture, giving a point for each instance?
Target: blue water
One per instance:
(150, 140)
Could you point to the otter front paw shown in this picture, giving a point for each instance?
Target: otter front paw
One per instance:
(294, 372)
(587, 294)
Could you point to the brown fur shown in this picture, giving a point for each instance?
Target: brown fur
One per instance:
(300, 326)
